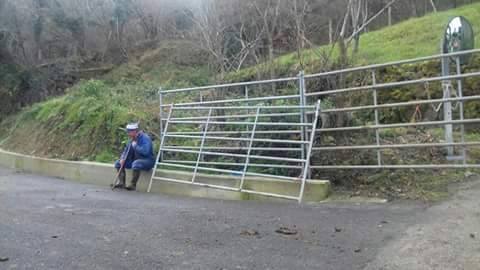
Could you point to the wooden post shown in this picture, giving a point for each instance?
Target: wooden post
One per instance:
(389, 16)
(330, 31)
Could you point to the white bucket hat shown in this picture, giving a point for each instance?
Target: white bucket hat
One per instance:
(132, 126)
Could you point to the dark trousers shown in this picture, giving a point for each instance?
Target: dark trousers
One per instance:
(137, 164)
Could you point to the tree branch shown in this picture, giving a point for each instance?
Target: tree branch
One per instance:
(360, 29)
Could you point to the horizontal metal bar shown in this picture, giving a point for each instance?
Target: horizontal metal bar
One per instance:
(241, 123)
(239, 148)
(425, 166)
(234, 155)
(337, 91)
(236, 173)
(236, 139)
(236, 132)
(199, 168)
(240, 107)
(237, 116)
(235, 164)
(433, 123)
(328, 73)
(194, 183)
(232, 100)
(400, 104)
(228, 85)
(270, 194)
(203, 162)
(392, 146)
(381, 86)
(395, 63)
(273, 176)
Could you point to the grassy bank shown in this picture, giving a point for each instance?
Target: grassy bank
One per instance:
(409, 39)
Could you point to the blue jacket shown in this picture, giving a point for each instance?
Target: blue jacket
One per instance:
(143, 149)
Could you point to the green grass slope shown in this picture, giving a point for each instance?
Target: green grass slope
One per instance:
(413, 38)
(85, 123)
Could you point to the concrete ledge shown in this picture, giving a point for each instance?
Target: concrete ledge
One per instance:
(102, 174)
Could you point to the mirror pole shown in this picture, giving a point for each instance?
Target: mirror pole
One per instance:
(447, 106)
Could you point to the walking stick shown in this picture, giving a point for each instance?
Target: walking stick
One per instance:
(122, 166)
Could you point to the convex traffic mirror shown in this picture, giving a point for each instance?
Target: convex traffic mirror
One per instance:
(458, 36)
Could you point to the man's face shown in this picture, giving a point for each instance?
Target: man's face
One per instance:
(132, 134)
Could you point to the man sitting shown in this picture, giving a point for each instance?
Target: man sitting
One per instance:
(137, 155)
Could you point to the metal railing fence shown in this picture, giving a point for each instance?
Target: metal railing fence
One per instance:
(235, 103)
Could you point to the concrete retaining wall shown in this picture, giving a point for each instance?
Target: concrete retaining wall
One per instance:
(102, 174)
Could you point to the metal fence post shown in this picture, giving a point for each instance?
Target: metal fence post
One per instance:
(205, 130)
(248, 103)
(250, 145)
(160, 150)
(460, 95)
(377, 132)
(160, 114)
(447, 105)
(306, 168)
(301, 88)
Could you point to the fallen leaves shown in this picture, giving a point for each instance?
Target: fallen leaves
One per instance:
(286, 231)
(250, 233)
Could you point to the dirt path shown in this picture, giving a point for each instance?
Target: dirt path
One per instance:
(446, 236)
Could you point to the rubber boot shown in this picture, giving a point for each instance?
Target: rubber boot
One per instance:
(121, 179)
(133, 184)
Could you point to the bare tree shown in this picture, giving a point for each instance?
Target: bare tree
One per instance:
(357, 13)
(269, 12)
(147, 19)
(242, 33)
(434, 7)
(366, 22)
(211, 29)
(299, 10)
(249, 35)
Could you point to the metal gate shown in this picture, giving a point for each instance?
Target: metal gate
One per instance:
(240, 142)
(367, 93)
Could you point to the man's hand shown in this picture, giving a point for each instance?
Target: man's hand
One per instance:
(122, 163)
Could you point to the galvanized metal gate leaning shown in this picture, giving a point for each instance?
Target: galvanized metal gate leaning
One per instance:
(290, 112)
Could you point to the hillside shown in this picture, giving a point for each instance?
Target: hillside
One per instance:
(409, 39)
(177, 64)
(85, 123)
